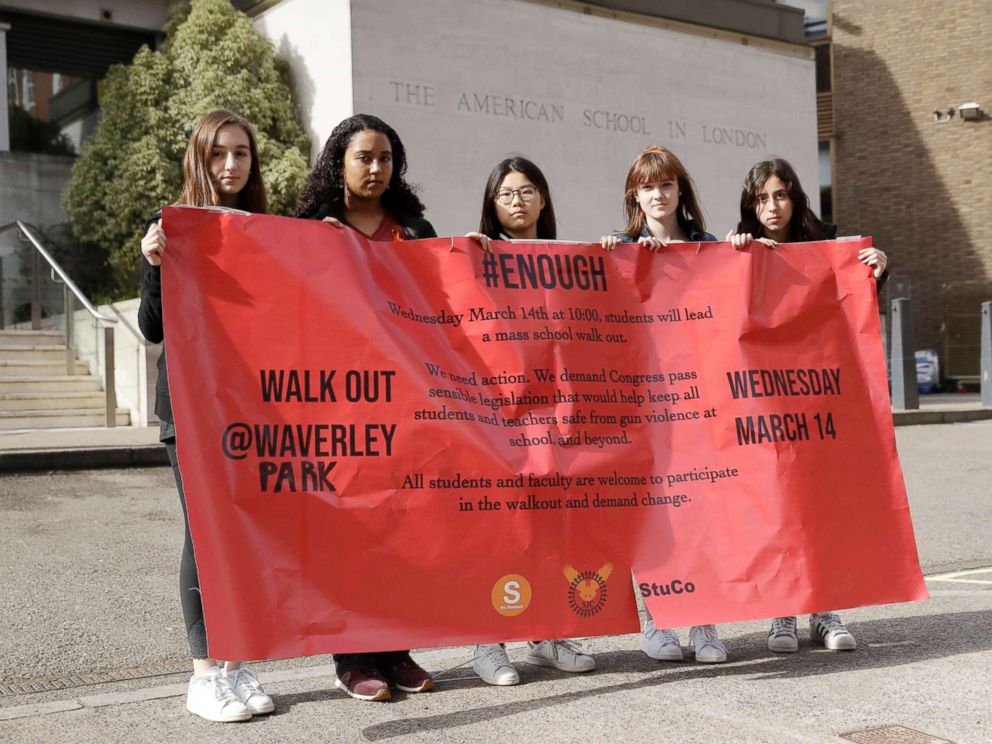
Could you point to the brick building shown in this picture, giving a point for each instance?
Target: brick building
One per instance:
(908, 168)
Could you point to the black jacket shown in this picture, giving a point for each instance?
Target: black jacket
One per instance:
(150, 323)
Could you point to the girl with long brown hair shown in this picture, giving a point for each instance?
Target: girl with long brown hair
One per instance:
(221, 168)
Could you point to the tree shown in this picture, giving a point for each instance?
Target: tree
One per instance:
(131, 165)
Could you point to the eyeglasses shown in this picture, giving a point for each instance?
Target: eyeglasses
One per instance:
(526, 194)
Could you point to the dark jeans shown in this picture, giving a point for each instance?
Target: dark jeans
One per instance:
(189, 580)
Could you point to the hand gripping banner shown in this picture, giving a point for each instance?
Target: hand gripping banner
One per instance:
(397, 445)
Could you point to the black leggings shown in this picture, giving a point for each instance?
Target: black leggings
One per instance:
(189, 594)
(189, 580)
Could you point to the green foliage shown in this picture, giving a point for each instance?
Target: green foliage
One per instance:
(213, 58)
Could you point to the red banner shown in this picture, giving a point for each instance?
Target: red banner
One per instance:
(395, 445)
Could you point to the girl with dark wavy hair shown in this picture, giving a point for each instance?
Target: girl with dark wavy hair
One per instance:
(359, 181)
(775, 209)
(783, 214)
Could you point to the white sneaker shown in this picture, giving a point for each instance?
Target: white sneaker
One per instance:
(783, 638)
(827, 629)
(211, 696)
(563, 655)
(249, 691)
(660, 643)
(706, 644)
(493, 665)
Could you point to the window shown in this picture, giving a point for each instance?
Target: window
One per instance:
(826, 182)
(27, 91)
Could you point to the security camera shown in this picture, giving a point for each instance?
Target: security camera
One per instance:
(970, 111)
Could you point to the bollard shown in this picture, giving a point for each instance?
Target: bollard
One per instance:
(987, 354)
(905, 395)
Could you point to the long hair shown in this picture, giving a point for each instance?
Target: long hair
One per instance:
(651, 166)
(324, 189)
(199, 189)
(804, 225)
(547, 226)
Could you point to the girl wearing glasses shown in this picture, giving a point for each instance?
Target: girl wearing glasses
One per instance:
(775, 209)
(358, 182)
(661, 207)
(517, 205)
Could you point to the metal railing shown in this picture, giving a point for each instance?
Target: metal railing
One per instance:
(70, 292)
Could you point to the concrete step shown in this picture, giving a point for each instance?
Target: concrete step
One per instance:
(33, 368)
(49, 384)
(46, 353)
(11, 337)
(36, 401)
(58, 419)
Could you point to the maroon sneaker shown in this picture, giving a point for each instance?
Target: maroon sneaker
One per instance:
(407, 676)
(364, 684)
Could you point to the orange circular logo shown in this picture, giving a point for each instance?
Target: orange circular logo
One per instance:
(587, 594)
(511, 595)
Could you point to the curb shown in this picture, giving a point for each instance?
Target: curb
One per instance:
(139, 456)
(912, 418)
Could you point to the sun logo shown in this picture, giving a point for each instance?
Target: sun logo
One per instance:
(587, 589)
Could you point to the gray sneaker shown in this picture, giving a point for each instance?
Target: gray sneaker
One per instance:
(563, 655)
(660, 643)
(782, 638)
(492, 664)
(706, 644)
(826, 629)
(249, 691)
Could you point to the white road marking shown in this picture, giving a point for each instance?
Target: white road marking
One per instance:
(955, 576)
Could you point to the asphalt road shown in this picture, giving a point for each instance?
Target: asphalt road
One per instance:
(93, 648)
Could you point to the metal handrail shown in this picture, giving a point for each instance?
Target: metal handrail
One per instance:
(108, 322)
(26, 232)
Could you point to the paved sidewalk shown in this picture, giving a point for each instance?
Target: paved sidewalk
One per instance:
(944, 408)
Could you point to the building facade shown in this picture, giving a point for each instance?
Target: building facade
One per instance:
(580, 88)
(912, 158)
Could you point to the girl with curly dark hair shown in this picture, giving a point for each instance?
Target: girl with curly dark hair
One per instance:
(359, 181)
